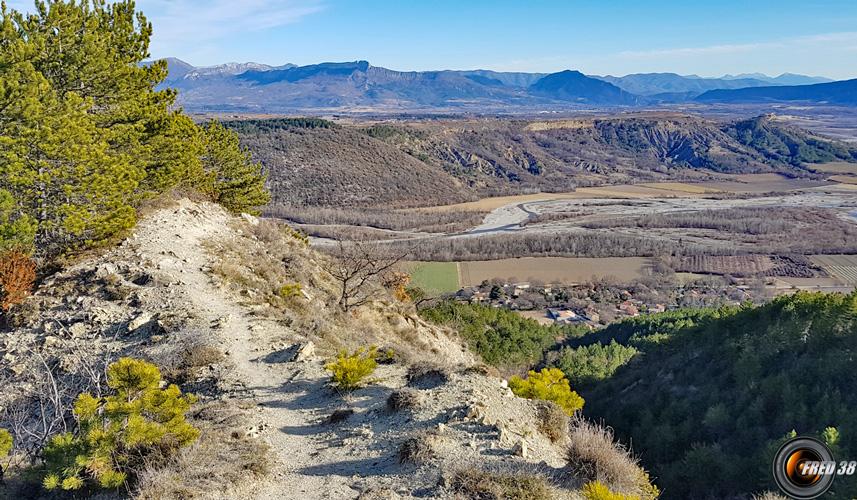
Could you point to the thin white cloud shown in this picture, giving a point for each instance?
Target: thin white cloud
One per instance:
(795, 42)
(200, 26)
(182, 23)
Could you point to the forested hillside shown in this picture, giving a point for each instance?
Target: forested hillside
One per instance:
(710, 394)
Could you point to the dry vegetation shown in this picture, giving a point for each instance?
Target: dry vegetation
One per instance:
(596, 456)
(418, 449)
(404, 399)
(393, 220)
(504, 246)
(476, 484)
(271, 256)
(223, 456)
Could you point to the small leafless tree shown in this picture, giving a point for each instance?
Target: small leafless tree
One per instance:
(360, 268)
(43, 406)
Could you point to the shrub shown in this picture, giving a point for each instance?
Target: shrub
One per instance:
(5, 449)
(553, 422)
(340, 415)
(596, 490)
(116, 434)
(482, 485)
(427, 375)
(595, 456)
(17, 274)
(550, 385)
(416, 450)
(398, 282)
(223, 456)
(290, 290)
(348, 371)
(404, 399)
(5, 443)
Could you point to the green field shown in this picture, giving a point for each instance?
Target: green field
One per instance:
(435, 277)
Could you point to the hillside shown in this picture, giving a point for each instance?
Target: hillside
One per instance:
(718, 390)
(434, 162)
(837, 93)
(340, 166)
(195, 290)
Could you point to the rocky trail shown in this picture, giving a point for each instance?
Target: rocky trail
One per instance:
(159, 291)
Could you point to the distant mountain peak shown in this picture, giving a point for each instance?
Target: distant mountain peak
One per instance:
(572, 85)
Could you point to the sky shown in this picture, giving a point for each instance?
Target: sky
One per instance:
(706, 38)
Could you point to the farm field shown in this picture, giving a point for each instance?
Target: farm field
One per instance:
(843, 267)
(682, 187)
(844, 179)
(836, 167)
(564, 270)
(761, 183)
(434, 277)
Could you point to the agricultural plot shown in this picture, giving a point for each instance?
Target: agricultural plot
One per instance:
(554, 270)
(434, 277)
(682, 187)
(843, 267)
(844, 179)
(761, 183)
(836, 167)
(796, 266)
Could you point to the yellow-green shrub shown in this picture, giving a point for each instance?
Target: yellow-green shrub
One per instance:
(5, 449)
(549, 384)
(349, 370)
(118, 432)
(5, 443)
(599, 491)
(290, 290)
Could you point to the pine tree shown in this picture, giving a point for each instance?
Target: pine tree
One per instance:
(96, 51)
(86, 135)
(237, 182)
(117, 432)
(54, 160)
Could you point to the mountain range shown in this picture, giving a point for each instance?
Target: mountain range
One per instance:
(253, 87)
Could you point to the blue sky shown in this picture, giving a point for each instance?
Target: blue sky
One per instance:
(596, 37)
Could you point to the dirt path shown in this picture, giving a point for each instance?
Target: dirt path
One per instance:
(288, 396)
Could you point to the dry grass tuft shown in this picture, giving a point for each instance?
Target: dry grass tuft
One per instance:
(427, 375)
(553, 422)
(404, 399)
(340, 415)
(594, 455)
(222, 460)
(417, 450)
(482, 369)
(769, 495)
(187, 361)
(481, 485)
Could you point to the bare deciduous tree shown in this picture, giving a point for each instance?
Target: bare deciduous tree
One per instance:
(359, 269)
